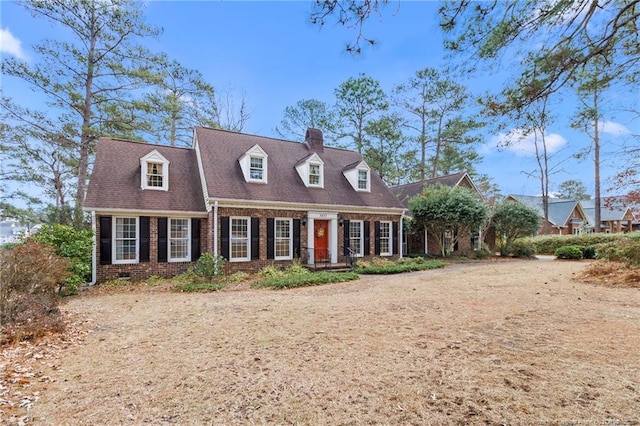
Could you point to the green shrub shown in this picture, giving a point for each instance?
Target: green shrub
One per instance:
(270, 271)
(74, 244)
(305, 279)
(296, 268)
(589, 252)
(631, 253)
(523, 247)
(398, 268)
(548, 244)
(569, 252)
(209, 266)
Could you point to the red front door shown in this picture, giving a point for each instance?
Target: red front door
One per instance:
(321, 240)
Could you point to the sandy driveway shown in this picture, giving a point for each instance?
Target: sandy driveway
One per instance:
(495, 343)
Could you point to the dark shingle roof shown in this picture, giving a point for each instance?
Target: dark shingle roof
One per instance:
(409, 190)
(221, 150)
(115, 180)
(560, 210)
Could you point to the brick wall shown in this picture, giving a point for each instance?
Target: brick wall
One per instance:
(262, 214)
(143, 270)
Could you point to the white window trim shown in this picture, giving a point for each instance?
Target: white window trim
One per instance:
(245, 164)
(361, 223)
(188, 256)
(248, 257)
(275, 238)
(154, 157)
(114, 251)
(390, 252)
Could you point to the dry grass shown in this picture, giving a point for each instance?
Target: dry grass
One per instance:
(516, 342)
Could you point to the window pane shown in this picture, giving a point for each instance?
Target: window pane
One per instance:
(256, 169)
(125, 238)
(314, 174)
(355, 236)
(385, 238)
(239, 238)
(362, 179)
(154, 174)
(178, 238)
(283, 238)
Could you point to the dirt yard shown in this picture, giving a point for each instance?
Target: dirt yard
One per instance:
(518, 342)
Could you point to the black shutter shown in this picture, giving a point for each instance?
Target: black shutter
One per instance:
(345, 237)
(255, 238)
(395, 238)
(296, 238)
(162, 239)
(271, 239)
(376, 240)
(367, 238)
(224, 237)
(195, 239)
(145, 239)
(105, 240)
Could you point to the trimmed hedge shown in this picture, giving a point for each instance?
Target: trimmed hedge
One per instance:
(569, 252)
(548, 244)
(305, 279)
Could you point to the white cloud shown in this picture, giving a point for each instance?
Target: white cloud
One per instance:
(10, 44)
(611, 128)
(524, 145)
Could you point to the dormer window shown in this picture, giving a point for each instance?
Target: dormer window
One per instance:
(311, 171)
(154, 171)
(254, 165)
(359, 176)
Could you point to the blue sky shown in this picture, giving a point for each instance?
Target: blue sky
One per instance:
(272, 53)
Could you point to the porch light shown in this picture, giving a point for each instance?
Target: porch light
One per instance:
(304, 220)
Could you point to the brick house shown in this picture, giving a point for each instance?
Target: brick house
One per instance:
(253, 200)
(418, 241)
(566, 217)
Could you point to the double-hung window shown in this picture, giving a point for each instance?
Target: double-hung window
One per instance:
(125, 236)
(385, 239)
(179, 245)
(155, 175)
(363, 179)
(314, 175)
(283, 239)
(239, 239)
(356, 236)
(256, 168)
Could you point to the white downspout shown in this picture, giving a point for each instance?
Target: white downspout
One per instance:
(94, 253)
(401, 236)
(215, 228)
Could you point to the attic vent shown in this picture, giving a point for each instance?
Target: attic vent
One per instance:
(314, 140)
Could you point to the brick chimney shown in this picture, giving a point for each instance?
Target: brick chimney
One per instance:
(314, 140)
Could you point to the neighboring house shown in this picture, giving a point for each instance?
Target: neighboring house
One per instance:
(253, 200)
(418, 241)
(11, 231)
(615, 215)
(566, 217)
